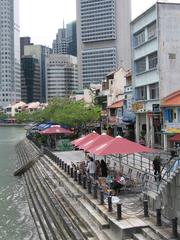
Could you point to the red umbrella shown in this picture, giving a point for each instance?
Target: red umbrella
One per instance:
(119, 145)
(55, 130)
(103, 138)
(85, 138)
(175, 138)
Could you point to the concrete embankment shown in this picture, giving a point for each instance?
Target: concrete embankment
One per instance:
(56, 212)
(63, 209)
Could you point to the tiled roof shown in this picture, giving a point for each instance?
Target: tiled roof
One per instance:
(171, 100)
(117, 104)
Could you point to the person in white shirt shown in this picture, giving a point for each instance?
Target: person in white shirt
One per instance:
(91, 168)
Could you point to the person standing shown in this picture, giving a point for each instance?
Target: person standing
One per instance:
(157, 168)
(103, 168)
(91, 168)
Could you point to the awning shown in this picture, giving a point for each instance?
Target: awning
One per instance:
(117, 104)
(103, 138)
(175, 138)
(84, 139)
(55, 130)
(119, 145)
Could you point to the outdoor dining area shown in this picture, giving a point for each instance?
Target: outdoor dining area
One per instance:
(49, 134)
(95, 163)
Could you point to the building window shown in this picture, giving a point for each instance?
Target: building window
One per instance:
(140, 65)
(139, 38)
(152, 60)
(154, 91)
(151, 30)
(168, 115)
(141, 93)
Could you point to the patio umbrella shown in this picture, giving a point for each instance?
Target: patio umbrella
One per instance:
(84, 139)
(175, 138)
(55, 129)
(119, 145)
(99, 140)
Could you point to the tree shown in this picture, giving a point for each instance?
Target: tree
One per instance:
(66, 112)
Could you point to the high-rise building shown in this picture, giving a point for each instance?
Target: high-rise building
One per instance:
(39, 52)
(61, 75)
(10, 89)
(71, 39)
(23, 42)
(30, 79)
(60, 43)
(103, 37)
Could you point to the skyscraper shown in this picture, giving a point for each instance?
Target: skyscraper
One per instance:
(39, 52)
(60, 43)
(10, 89)
(23, 42)
(30, 79)
(61, 75)
(103, 37)
(71, 39)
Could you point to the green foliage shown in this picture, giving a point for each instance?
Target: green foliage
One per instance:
(67, 112)
(3, 116)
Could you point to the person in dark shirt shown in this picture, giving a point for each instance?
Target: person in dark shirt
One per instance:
(103, 168)
(157, 168)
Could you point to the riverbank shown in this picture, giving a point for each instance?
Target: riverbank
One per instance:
(52, 192)
(12, 125)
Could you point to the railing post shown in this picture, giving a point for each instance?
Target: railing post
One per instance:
(84, 182)
(95, 190)
(119, 211)
(146, 210)
(65, 167)
(72, 172)
(102, 197)
(60, 163)
(89, 186)
(75, 175)
(174, 227)
(158, 217)
(109, 203)
(68, 169)
(79, 178)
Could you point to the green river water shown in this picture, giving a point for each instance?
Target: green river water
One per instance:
(16, 222)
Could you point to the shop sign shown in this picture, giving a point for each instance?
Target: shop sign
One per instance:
(137, 106)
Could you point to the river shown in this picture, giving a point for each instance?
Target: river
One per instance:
(16, 222)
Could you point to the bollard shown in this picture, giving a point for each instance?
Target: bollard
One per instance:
(79, 178)
(65, 167)
(60, 163)
(72, 172)
(119, 211)
(146, 210)
(84, 182)
(102, 197)
(158, 217)
(95, 190)
(75, 175)
(174, 227)
(68, 169)
(109, 203)
(89, 186)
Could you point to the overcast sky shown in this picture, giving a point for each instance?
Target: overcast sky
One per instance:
(40, 19)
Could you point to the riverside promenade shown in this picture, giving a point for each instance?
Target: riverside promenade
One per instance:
(74, 210)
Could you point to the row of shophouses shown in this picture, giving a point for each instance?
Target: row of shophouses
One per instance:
(144, 103)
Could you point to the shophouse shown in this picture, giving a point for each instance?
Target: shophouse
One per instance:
(155, 66)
